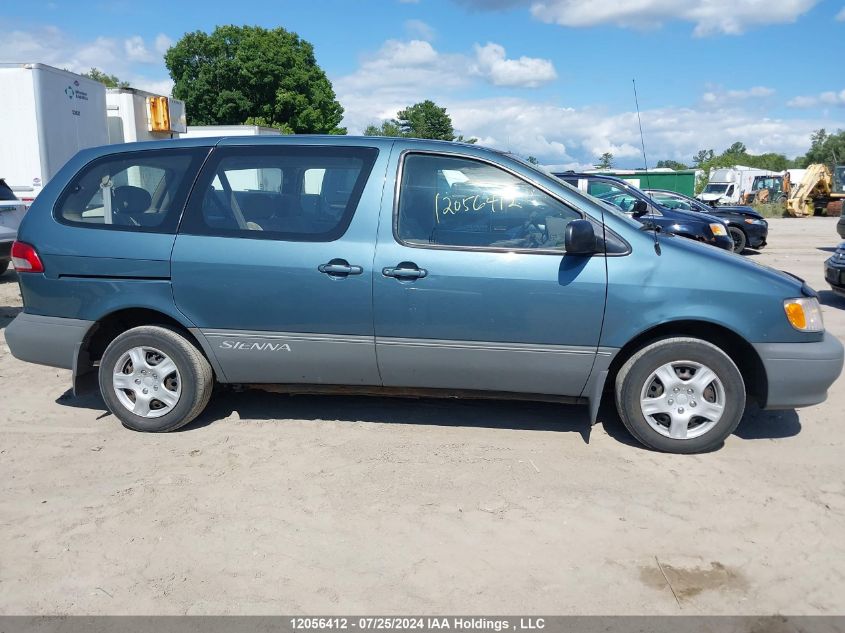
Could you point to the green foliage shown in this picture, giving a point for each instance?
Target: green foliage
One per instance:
(284, 128)
(426, 120)
(247, 73)
(110, 81)
(421, 120)
(825, 148)
(671, 164)
(533, 160)
(737, 154)
(460, 138)
(605, 161)
(387, 128)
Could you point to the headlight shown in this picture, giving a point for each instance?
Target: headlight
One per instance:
(754, 221)
(804, 314)
(718, 229)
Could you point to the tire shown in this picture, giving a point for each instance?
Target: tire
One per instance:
(679, 429)
(739, 238)
(4, 266)
(184, 383)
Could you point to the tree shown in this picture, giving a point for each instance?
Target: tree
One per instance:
(426, 120)
(533, 160)
(671, 164)
(737, 148)
(825, 148)
(421, 120)
(110, 81)
(247, 73)
(703, 156)
(387, 128)
(605, 161)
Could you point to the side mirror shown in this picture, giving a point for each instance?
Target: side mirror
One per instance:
(580, 238)
(640, 208)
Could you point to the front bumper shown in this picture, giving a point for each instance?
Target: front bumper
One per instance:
(723, 241)
(46, 340)
(757, 235)
(799, 374)
(834, 274)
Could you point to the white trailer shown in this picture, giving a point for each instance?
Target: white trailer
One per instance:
(46, 116)
(136, 115)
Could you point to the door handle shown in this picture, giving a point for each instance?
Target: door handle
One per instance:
(339, 268)
(405, 270)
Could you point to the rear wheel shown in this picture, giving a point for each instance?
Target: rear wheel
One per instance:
(153, 379)
(739, 238)
(4, 266)
(680, 395)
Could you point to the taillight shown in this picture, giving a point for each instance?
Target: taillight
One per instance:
(25, 258)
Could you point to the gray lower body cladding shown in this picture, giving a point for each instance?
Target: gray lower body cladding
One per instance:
(799, 374)
(46, 340)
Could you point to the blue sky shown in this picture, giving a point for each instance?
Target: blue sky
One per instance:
(550, 78)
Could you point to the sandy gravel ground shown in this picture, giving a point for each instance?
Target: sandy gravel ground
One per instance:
(276, 504)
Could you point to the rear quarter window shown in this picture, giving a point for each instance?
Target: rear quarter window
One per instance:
(133, 191)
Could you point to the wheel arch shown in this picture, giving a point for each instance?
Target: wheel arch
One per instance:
(111, 325)
(738, 349)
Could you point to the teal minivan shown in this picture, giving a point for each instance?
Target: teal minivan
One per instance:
(400, 267)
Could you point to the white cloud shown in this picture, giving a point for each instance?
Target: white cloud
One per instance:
(828, 98)
(136, 50)
(730, 17)
(403, 73)
(162, 43)
(121, 57)
(721, 97)
(419, 30)
(840, 17)
(528, 72)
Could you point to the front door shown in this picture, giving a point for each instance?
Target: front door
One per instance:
(472, 288)
(273, 262)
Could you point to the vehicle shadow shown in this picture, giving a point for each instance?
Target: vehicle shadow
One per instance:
(253, 404)
(826, 249)
(830, 298)
(7, 314)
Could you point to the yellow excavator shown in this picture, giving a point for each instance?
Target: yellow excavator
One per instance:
(813, 192)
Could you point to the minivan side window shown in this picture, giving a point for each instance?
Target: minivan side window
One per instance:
(135, 191)
(450, 201)
(282, 192)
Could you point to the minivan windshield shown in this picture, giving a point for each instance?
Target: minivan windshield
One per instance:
(715, 188)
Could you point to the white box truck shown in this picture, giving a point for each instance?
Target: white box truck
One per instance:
(46, 116)
(727, 185)
(136, 115)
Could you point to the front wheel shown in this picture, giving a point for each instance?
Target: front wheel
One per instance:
(738, 236)
(680, 395)
(153, 379)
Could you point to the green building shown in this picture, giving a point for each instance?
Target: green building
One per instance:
(681, 181)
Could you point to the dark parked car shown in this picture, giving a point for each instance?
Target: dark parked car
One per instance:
(834, 270)
(632, 201)
(840, 226)
(747, 227)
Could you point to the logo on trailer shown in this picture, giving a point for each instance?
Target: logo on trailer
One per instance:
(69, 91)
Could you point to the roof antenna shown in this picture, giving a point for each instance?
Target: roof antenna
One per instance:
(645, 164)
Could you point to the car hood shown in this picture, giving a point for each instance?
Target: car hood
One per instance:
(716, 258)
(691, 216)
(739, 210)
